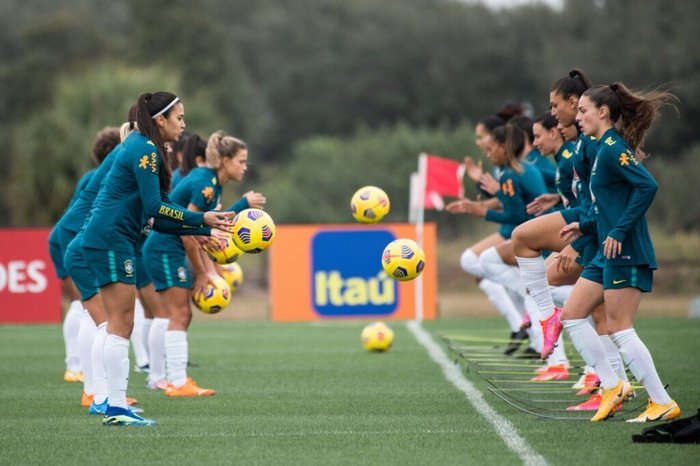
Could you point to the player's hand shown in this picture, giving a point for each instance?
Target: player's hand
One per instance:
(489, 184)
(219, 220)
(612, 248)
(466, 206)
(543, 203)
(199, 287)
(474, 169)
(566, 259)
(570, 232)
(255, 200)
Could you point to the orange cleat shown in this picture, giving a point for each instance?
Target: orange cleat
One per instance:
(189, 389)
(73, 376)
(86, 400)
(591, 382)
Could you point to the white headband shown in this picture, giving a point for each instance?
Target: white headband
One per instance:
(167, 107)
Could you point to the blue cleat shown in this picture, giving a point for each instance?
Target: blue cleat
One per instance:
(124, 417)
(102, 408)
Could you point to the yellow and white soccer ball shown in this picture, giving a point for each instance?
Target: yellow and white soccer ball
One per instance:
(403, 259)
(369, 204)
(233, 274)
(223, 250)
(217, 297)
(377, 336)
(253, 230)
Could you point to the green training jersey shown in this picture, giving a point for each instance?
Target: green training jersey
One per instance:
(622, 191)
(130, 195)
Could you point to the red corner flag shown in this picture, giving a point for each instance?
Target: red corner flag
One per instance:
(443, 177)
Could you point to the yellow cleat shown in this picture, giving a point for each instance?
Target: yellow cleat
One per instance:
(611, 399)
(70, 376)
(190, 388)
(657, 412)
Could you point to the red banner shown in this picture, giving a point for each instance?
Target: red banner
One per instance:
(29, 288)
(443, 177)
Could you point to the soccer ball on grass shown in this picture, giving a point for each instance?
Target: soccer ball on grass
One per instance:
(377, 336)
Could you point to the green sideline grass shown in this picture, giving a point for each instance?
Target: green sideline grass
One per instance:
(309, 394)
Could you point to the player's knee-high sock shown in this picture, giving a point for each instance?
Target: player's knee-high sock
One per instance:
(117, 365)
(499, 297)
(589, 346)
(469, 262)
(137, 340)
(638, 359)
(176, 356)
(86, 336)
(614, 357)
(99, 372)
(534, 276)
(558, 356)
(156, 349)
(560, 294)
(71, 327)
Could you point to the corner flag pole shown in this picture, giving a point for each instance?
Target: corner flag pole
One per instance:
(420, 217)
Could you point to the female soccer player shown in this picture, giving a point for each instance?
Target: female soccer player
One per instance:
(622, 191)
(166, 255)
(133, 192)
(519, 185)
(63, 232)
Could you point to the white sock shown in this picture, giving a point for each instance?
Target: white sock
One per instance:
(469, 262)
(638, 359)
(145, 332)
(117, 365)
(176, 356)
(535, 330)
(140, 350)
(156, 349)
(86, 335)
(589, 346)
(560, 294)
(558, 356)
(99, 372)
(614, 357)
(534, 276)
(499, 297)
(71, 327)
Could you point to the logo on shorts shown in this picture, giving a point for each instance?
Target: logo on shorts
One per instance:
(129, 268)
(617, 282)
(182, 274)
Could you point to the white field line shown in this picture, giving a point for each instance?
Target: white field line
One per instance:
(504, 428)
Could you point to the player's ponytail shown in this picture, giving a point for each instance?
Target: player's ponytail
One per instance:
(513, 138)
(148, 107)
(631, 112)
(573, 84)
(220, 145)
(193, 151)
(130, 125)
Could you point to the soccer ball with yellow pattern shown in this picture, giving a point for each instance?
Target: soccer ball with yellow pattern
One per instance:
(253, 230)
(216, 298)
(233, 274)
(377, 336)
(223, 250)
(403, 259)
(369, 204)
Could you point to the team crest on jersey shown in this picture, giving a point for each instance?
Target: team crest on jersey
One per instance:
(182, 274)
(214, 181)
(566, 154)
(208, 193)
(508, 188)
(609, 141)
(129, 267)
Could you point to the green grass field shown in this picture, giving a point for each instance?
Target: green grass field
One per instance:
(309, 394)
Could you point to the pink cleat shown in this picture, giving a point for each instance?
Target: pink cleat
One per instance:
(551, 329)
(526, 323)
(554, 372)
(590, 384)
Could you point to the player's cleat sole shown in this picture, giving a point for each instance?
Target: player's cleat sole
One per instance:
(551, 329)
(86, 400)
(516, 339)
(611, 399)
(658, 412)
(554, 372)
(115, 416)
(73, 376)
(189, 389)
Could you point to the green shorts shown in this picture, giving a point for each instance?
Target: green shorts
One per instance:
(619, 277)
(168, 270)
(110, 266)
